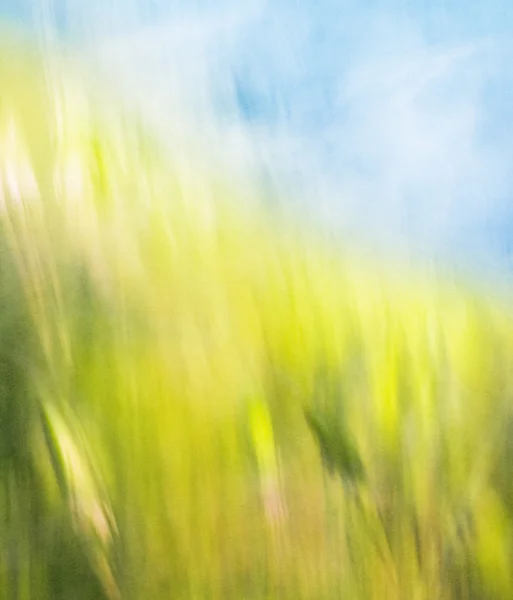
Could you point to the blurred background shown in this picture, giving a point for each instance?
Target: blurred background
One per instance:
(217, 381)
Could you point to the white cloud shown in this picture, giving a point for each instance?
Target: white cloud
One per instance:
(414, 122)
(178, 33)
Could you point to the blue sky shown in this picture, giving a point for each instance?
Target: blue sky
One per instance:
(386, 121)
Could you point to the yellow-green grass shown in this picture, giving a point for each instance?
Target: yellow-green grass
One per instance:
(160, 341)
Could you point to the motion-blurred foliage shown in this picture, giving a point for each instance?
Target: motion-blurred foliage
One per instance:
(198, 402)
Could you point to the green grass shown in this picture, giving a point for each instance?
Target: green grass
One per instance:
(199, 402)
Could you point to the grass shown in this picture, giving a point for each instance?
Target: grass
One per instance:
(199, 402)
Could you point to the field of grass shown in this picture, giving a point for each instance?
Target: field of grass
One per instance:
(200, 402)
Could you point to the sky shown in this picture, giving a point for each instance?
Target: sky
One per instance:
(387, 122)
